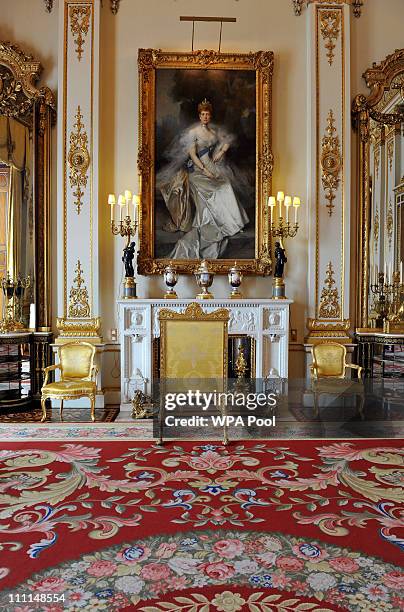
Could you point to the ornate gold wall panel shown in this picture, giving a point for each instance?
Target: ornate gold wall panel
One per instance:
(356, 5)
(78, 300)
(331, 162)
(329, 192)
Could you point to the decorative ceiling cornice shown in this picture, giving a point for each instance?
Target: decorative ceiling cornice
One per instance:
(356, 5)
(114, 5)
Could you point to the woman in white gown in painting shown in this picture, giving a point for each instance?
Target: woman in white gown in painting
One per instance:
(199, 195)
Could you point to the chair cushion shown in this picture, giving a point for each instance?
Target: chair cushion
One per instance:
(70, 387)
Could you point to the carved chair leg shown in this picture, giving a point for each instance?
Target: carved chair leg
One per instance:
(61, 410)
(92, 400)
(43, 406)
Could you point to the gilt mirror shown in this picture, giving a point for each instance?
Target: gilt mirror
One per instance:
(379, 120)
(26, 114)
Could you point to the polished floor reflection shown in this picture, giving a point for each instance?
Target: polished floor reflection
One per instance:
(375, 410)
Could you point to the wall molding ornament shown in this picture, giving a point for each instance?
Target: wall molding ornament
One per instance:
(78, 159)
(330, 28)
(88, 328)
(329, 299)
(380, 79)
(114, 5)
(376, 227)
(331, 162)
(377, 161)
(79, 306)
(79, 25)
(356, 5)
(389, 223)
(338, 330)
(19, 73)
(390, 153)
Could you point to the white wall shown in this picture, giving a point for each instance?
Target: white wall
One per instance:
(261, 24)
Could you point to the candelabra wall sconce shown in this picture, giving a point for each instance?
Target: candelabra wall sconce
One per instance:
(127, 226)
(13, 290)
(281, 227)
(388, 304)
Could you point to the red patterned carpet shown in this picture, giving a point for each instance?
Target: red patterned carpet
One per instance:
(301, 525)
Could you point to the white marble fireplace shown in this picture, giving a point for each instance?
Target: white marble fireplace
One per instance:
(264, 320)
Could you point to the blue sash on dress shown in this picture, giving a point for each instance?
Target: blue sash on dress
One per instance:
(189, 164)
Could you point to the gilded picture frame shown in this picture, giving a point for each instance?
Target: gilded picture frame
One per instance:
(237, 90)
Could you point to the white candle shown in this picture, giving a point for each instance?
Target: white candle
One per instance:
(128, 198)
(280, 197)
(121, 204)
(111, 202)
(288, 203)
(296, 204)
(271, 204)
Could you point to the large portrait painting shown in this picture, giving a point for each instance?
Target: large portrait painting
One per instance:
(205, 160)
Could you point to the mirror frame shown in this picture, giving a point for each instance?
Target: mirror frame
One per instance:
(34, 107)
(364, 108)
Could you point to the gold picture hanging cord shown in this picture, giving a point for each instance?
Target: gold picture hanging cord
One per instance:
(220, 20)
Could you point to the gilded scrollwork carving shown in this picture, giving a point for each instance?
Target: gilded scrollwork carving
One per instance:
(390, 153)
(376, 228)
(356, 5)
(79, 25)
(329, 299)
(18, 75)
(377, 161)
(79, 307)
(78, 159)
(389, 223)
(330, 28)
(73, 328)
(115, 6)
(331, 162)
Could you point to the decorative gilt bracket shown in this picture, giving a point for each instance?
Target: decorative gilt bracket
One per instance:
(114, 5)
(331, 162)
(356, 5)
(329, 300)
(79, 160)
(79, 307)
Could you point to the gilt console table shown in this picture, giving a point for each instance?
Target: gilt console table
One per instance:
(264, 321)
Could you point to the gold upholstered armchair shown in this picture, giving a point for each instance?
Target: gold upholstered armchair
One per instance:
(328, 372)
(193, 345)
(329, 361)
(78, 376)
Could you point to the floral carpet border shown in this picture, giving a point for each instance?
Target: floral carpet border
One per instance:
(144, 572)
